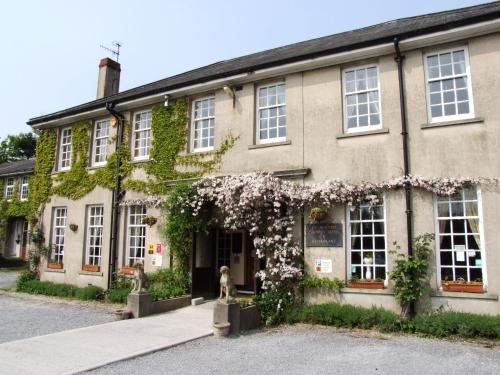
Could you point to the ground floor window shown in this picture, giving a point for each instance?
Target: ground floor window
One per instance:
(58, 234)
(367, 257)
(95, 217)
(136, 233)
(458, 236)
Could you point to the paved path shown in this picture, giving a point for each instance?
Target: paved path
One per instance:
(8, 279)
(87, 348)
(304, 349)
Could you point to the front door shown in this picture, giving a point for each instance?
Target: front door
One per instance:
(203, 266)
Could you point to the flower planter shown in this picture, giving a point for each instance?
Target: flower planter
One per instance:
(91, 268)
(366, 284)
(55, 266)
(249, 318)
(127, 270)
(463, 287)
(317, 215)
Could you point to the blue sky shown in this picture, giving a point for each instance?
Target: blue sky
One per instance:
(50, 49)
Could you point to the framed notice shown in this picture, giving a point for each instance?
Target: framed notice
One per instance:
(324, 235)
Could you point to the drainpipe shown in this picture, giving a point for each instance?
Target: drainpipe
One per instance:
(406, 155)
(117, 195)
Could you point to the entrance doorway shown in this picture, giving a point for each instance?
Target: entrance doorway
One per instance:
(17, 238)
(223, 248)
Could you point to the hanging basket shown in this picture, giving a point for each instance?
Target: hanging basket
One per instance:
(318, 214)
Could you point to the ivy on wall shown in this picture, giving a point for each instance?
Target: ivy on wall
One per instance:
(12, 208)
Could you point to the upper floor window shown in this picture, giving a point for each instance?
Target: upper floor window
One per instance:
(271, 113)
(458, 236)
(449, 92)
(24, 187)
(361, 99)
(141, 136)
(9, 187)
(65, 149)
(203, 124)
(367, 243)
(101, 134)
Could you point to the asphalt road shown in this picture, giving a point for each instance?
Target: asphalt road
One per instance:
(23, 316)
(315, 350)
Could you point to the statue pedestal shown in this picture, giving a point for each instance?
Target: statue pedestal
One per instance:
(228, 313)
(139, 304)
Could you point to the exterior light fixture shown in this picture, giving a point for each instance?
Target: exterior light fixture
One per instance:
(167, 98)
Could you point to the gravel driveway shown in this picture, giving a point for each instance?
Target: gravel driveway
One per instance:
(23, 316)
(8, 279)
(307, 349)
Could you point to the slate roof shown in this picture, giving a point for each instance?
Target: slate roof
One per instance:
(17, 167)
(350, 40)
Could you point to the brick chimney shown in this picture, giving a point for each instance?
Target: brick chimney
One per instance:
(108, 82)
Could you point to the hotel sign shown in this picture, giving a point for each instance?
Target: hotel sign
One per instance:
(324, 235)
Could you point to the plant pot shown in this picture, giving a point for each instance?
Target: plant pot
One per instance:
(472, 287)
(127, 270)
(317, 216)
(55, 266)
(366, 284)
(91, 268)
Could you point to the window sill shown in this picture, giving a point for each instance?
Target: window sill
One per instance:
(441, 294)
(54, 270)
(359, 134)
(386, 292)
(88, 273)
(475, 120)
(272, 144)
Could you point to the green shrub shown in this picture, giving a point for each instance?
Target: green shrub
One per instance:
(12, 262)
(47, 288)
(275, 303)
(167, 283)
(449, 323)
(90, 292)
(118, 295)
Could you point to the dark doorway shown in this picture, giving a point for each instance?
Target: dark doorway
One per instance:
(203, 265)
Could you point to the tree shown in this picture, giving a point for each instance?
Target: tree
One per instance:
(17, 147)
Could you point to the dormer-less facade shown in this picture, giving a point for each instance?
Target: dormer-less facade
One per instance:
(325, 109)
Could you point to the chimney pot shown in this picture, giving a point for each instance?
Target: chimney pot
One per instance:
(108, 82)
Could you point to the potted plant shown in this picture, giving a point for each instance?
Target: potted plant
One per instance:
(73, 227)
(91, 268)
(55, 265)
(356, 282)
(460, 285)
(149, 220)
(318, 214)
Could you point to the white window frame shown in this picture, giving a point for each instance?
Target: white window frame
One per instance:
(136, 132)
(349, 250)
(481, 241)
(94, 232)
(277, 106)
(469, 86)
(24, 188)
(58, 237)
(199, 120)
(101, 146)
(359, 129)
(65, 149)
(9, 187)
(130, 227)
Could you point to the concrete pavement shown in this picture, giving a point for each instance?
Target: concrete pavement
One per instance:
(8, 279)
(88, 348)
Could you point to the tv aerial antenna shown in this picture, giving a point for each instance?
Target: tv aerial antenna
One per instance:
(115, 51)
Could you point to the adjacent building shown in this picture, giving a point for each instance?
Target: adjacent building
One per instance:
(332, 107)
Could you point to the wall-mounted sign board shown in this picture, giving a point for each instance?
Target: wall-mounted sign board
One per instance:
(324, 235)
(323, 265)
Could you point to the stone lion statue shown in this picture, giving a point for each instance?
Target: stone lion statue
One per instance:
(227, 288)
(140, 281)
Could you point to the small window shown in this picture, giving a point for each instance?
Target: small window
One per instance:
(449, 93)
(24, 187)
(271, 113)
(101, 134)
(458, 236)
(136, 243)
(203, 124)
(367, 243)
(9, 187)
(142, 135)
(65, 149)
(58, 234)
(362, 99)
(95, 218)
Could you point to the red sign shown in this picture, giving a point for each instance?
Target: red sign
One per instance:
(158, 248)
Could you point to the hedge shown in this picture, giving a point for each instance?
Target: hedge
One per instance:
(437, 324)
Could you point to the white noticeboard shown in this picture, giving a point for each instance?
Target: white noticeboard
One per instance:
(323, 265)
(156, 260)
